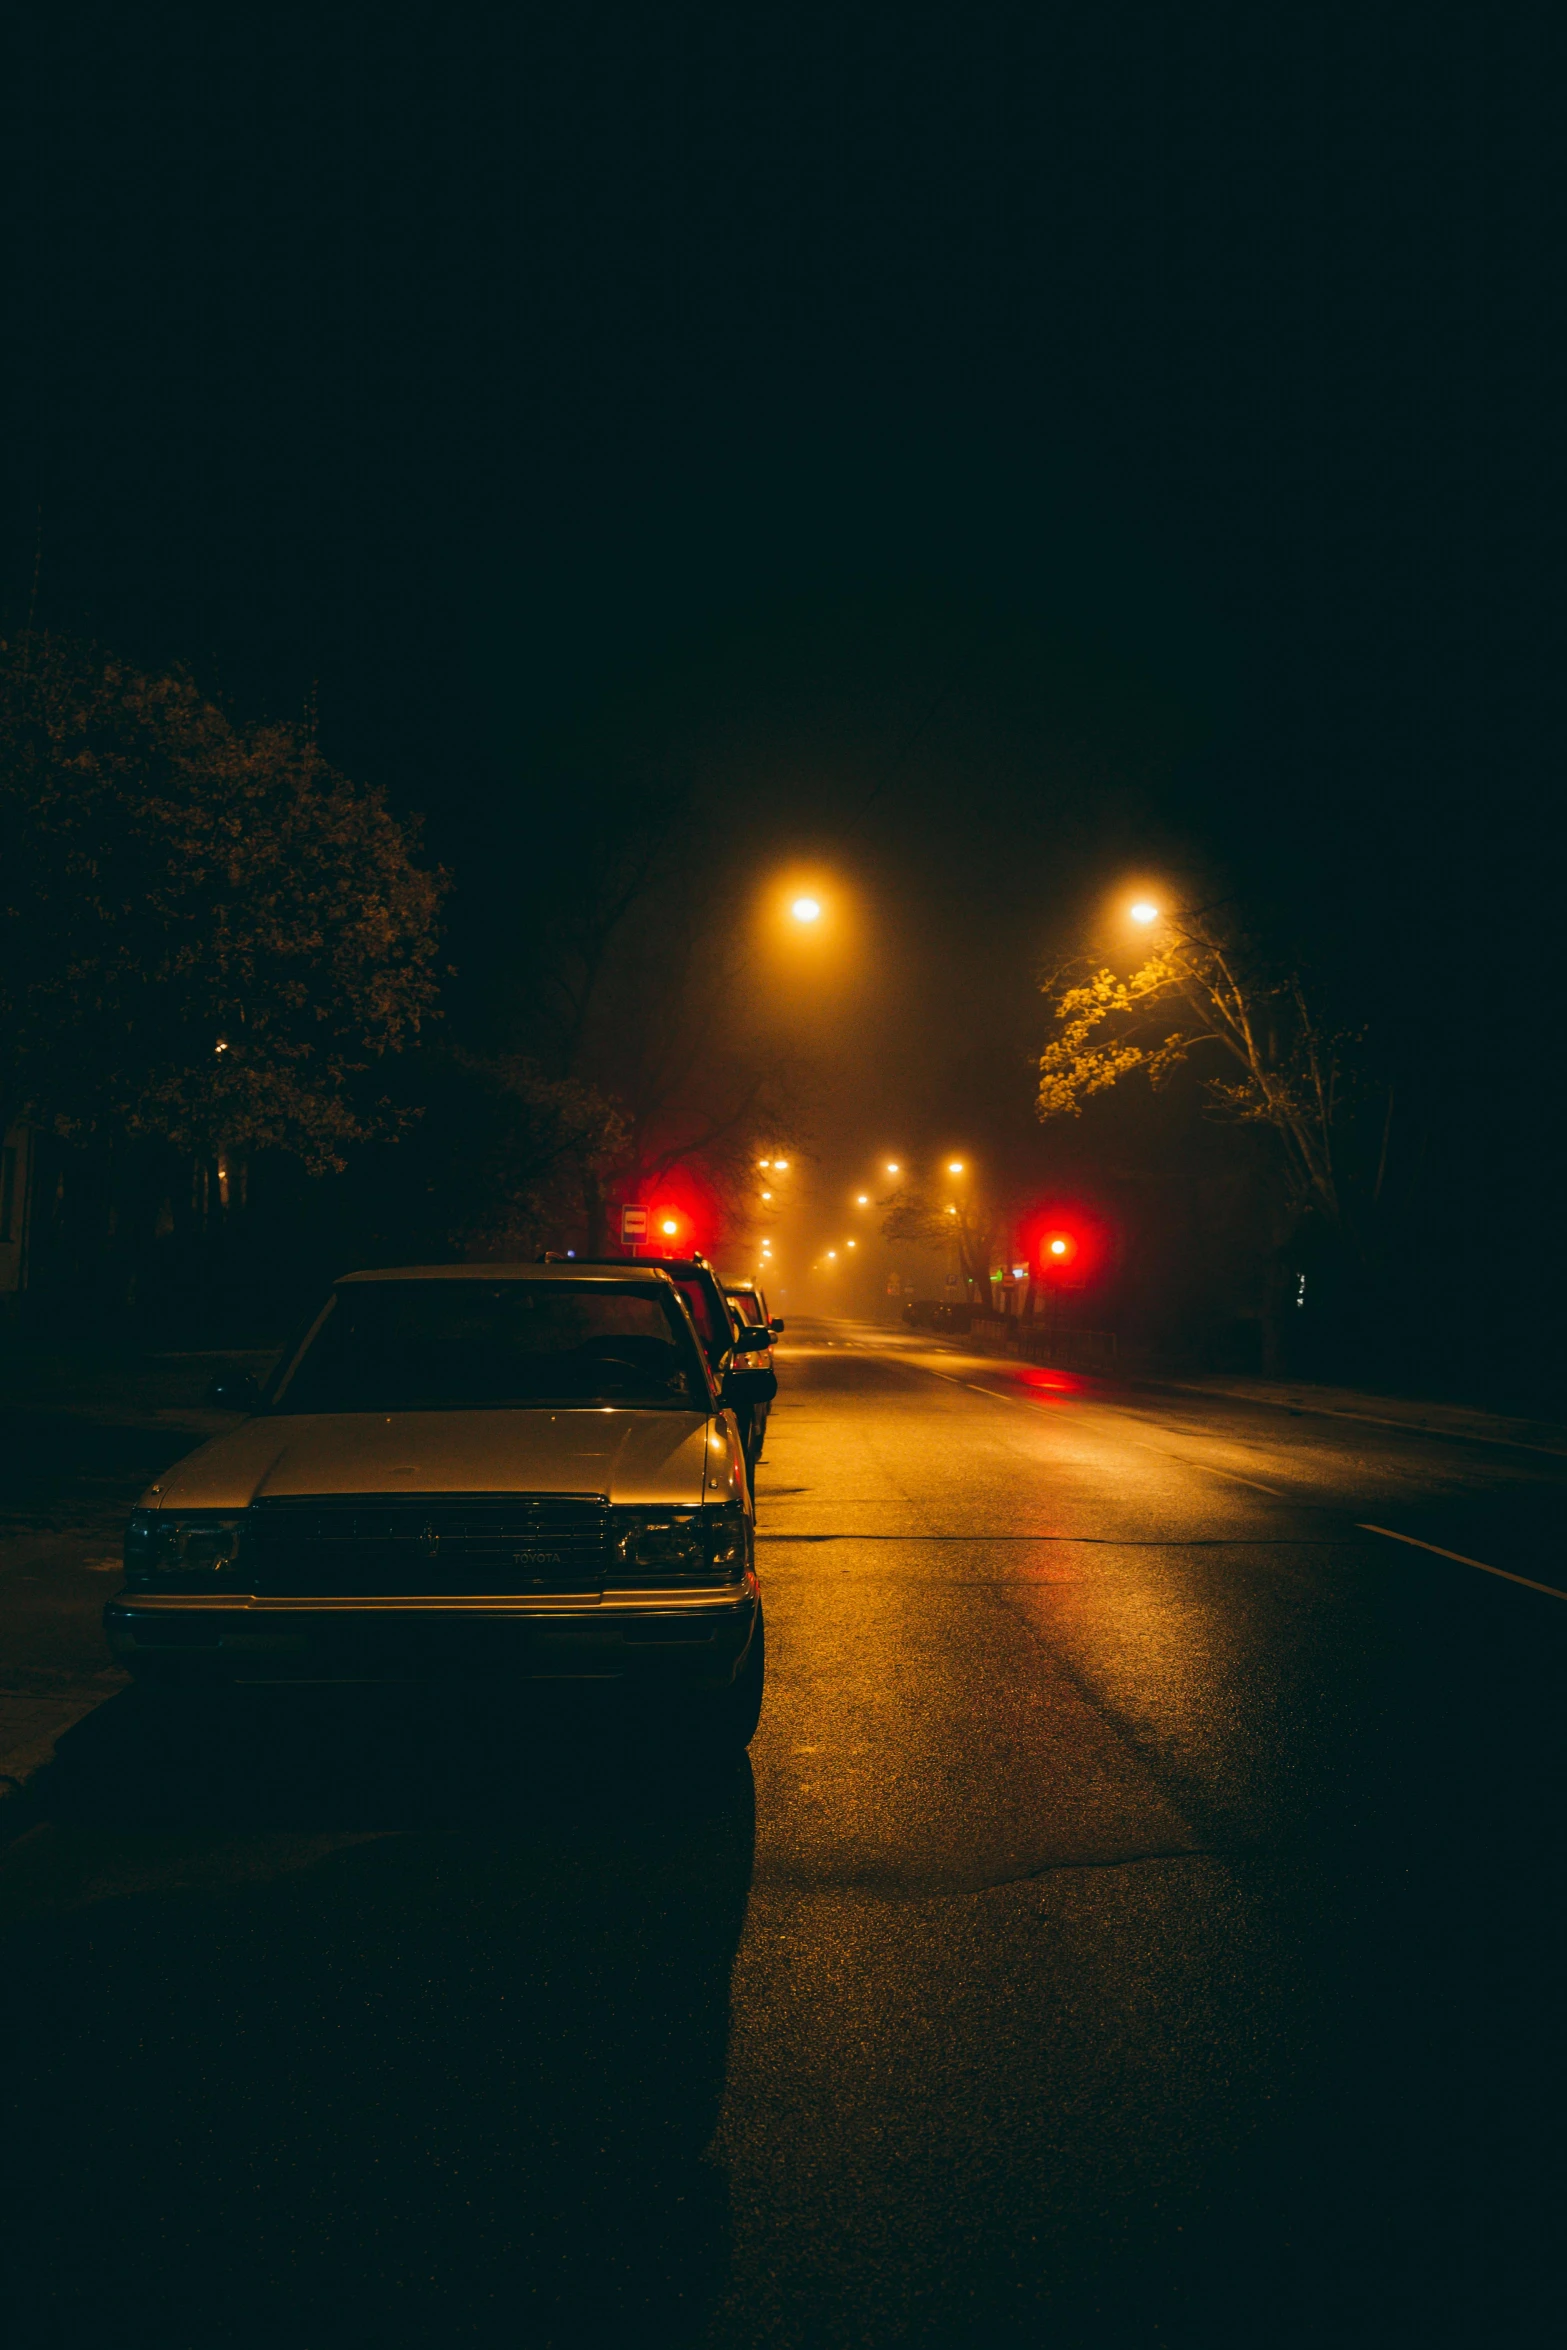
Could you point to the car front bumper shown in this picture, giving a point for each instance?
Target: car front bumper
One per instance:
(694, 1639)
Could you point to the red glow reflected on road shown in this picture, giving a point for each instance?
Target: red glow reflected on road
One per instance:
(1055, 1382)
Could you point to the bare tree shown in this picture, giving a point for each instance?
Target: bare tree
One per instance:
(970, 1228)
(636, 989)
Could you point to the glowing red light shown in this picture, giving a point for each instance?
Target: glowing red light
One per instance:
(1059, 1248)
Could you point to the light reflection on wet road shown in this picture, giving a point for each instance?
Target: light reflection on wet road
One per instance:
(1151, 1931)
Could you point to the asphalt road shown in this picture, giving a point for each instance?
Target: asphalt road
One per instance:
(1141, 1924)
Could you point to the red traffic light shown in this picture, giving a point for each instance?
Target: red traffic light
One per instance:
(1057, 1248)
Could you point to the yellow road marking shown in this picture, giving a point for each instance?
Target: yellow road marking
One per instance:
(1550, 1589)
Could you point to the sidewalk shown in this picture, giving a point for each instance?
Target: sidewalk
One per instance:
(1467, 1422)
(83, 1431)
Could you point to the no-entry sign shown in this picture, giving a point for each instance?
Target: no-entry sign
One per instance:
(633, 1223)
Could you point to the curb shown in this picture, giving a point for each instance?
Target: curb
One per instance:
(31, 1728)
(1293, 1399)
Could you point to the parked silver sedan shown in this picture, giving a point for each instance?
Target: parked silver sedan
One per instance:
(516, 1474)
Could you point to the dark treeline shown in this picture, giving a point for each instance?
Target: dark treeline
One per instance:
(235, 1058)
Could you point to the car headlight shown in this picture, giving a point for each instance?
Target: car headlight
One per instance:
(679, 1546)
(195, 1544)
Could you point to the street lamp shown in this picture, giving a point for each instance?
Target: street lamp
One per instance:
(954, 1166)
(1143, 911)
(892, 1167)
(862, 1199)
(806, 910)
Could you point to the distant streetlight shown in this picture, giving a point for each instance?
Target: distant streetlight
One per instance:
(767, 1195)
(851, 1244)
(892, 1167)
(764, 1162)
(1143, 911)
(781, 1165)
(863, 1200)
(954, 1166)
(832, 1256)
(806, 910)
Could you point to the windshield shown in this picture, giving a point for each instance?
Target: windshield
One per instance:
(406, 1346)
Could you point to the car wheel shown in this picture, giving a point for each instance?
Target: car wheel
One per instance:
(727, 1721)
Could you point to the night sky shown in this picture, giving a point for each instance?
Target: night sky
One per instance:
(994, 450)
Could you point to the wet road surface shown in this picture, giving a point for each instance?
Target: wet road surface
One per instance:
(1140, 1923)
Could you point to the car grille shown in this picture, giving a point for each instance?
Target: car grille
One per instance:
(426, 1544)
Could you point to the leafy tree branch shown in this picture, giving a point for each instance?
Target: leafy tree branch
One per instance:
(1210, 990)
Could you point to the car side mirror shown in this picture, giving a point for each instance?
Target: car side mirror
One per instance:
(742, 1389)
(776, 1326)
(235, 1391)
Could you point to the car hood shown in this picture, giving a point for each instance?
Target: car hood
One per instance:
(665, 1459)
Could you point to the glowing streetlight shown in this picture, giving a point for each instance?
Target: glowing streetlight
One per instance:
(781, 1165)
(806, 910)
(851, 1244)
(669, 1226)
(1058, 1248)
(1143, 911)
(863, 1200)
(892, 1167)
(767, 1195)
(832, 1256)
(764, 1162)
(954, 1166)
